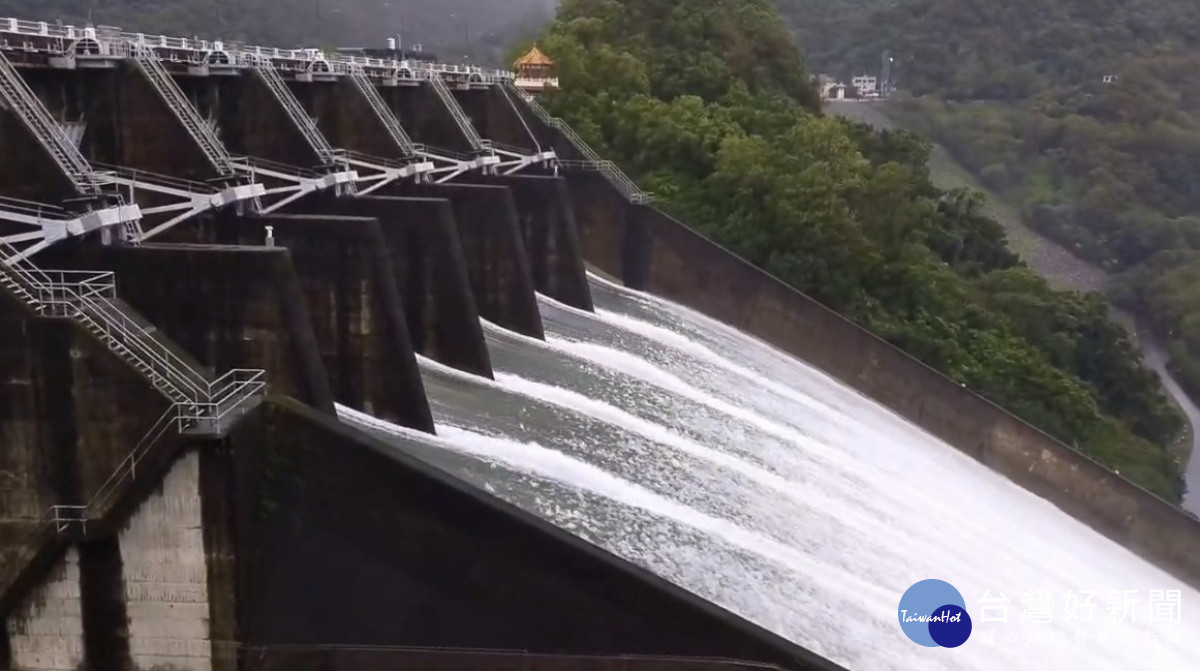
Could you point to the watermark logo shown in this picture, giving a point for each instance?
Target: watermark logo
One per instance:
(933, 614)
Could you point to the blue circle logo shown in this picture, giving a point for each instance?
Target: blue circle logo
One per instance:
(933, 614)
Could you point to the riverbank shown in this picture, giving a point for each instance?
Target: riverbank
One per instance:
(1061, 269)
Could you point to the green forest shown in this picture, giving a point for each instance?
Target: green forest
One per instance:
(1017, 93)
(711, 107)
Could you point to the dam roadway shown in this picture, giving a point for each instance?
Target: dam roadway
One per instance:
(209, 250)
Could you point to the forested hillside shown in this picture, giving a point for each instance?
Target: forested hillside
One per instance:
(972, 50)
(479, 29)
(708, 105)
(1016, 92)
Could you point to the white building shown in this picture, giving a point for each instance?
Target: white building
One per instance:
(865, 85)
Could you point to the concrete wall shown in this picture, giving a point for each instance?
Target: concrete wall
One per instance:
(444, 660)
(229, 307)
(650, 251)
(165, 576)
(430, 273)
(27, 172)
(45, 632)
(424, 117)
(498, 267)
(546, 216)
(495, 118)
(128, 123)
(345, 118)
(148, 587)
(70, 412)
(252, 121)
(608, 236)
(332, 522)
(345, 273)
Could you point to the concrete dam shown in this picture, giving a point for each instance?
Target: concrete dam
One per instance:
(295, 349)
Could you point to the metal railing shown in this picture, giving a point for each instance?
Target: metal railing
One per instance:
(456, 112)
(510, 149)
(60, 39)
(591, 160)
(293, 171)
(390, 123)
(137, 177)
(45, 129)
(375, 161)
(89, 301)
(162, 82)
(34, 208)
(228, 401)
(615, 176)
(295, 111)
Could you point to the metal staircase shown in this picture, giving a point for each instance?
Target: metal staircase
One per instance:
(45, 129)
(89, 298)
(214, 150)
(456, 112)
(198, 406)
(308, 128)
(591, 160)
(364, 85)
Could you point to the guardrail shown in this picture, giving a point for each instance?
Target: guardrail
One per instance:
(227, 402)
(199, 52)
(591, 160)
(136, 175)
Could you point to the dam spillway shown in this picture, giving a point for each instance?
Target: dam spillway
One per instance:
(211, 250)
(657, 433)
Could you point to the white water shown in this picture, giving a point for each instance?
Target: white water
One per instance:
(761, 484)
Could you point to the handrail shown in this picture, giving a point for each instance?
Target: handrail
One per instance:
(180, 416)
(277, 166)
(456, 112)
(33, 207)
(376, 160)
(45, 129)
(450, 154)
(294, 110)
(512, 149)
(110, 321)
(197, 51)
(159, 179)
(375, 101)
(128, 465)
(592, 160)
(79, 300)
(162, 82)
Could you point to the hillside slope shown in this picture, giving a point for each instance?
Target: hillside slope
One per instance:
(1017, 93)
(974, 50)
(708, 105)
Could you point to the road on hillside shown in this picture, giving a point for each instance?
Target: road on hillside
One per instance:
(1061, 269)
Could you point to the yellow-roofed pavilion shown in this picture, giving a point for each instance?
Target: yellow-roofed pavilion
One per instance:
(535, 71)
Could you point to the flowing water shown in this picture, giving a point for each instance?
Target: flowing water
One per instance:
(763, 485)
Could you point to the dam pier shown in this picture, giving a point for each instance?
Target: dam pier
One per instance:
(205, 247)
